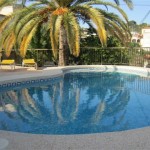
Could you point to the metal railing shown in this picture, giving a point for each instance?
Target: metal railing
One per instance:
(102, 56)
(88, 56)
(112, 55)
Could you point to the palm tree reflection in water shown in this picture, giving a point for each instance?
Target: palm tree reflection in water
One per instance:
(77, 103)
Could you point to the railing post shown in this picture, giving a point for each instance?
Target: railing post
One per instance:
(121, 55)
(101, 56)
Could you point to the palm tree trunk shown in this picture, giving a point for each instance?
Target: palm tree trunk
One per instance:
(62, 46)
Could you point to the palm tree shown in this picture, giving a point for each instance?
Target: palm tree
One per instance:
(62, 20)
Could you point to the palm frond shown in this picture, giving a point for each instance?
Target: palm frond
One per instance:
(116, 30)
(26, 40)
(117, 25)
(77, 2)
(100, 2)
(64, 3)
(72, 29)
(129, 3)
(55, 24)
(30, 14)
(9, 43)
(116, 19)
(4, 22)
(26, 29)
(5, 34)
(113, 33)
(97, 19)
(4, 3)
(24, 19)
(117, 2)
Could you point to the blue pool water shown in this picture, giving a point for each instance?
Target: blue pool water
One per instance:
(77, 103)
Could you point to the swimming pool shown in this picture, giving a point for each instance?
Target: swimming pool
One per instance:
(82, 101)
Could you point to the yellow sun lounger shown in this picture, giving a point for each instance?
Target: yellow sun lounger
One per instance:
(10, 62)
(29, 62)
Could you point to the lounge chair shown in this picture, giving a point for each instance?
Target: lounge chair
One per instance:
(10, 62)
(29, 62)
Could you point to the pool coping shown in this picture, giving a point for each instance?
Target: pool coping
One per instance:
(137, 139)
(58, 71)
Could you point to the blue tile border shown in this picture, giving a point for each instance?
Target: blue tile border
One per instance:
(28, 83)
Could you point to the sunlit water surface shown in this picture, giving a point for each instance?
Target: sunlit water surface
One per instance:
(78, 103)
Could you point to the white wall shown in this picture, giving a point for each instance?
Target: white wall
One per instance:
(145, 41)
(6, 10)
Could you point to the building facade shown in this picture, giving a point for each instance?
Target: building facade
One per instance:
(135, 37)
(5, 11)
(145, 40)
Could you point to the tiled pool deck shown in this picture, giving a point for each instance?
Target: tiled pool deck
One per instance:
(138, 139)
